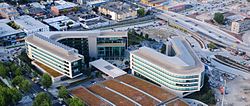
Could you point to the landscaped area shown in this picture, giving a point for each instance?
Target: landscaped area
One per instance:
(131, 93)
(111, 96)
(151, 89)
(205, 95)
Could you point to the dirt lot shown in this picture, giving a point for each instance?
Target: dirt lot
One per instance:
(238, 93)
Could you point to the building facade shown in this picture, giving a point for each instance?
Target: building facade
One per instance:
(54, 55)
(118, 11)
(93, 45)
(30, 25)
(182, 73)
(241, 25)
(7, 11)
(10, 36)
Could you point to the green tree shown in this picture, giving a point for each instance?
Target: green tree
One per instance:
(18, 71)
(75, 9)
(3, 71)
(141, 12)
(17, 80)
(25, 85)
(219, 18)
(146, 36)
(9, 96)
(46, 80)
(212, 46)
(63, 93)
(42, 99)
(75, 102)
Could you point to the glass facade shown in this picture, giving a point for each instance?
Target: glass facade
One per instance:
(81, 44)
(114, 51)
(12, 39)
(163, 77)
(55, 62)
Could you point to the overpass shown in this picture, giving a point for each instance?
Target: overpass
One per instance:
(211, 32)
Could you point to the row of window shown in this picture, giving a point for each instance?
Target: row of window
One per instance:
(162, 82)
(165, 72)
(164, 75)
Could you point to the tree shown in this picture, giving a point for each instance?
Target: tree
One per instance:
(22, 83)
(75, 102)
(9, 96)
(146, 36)
(219, 18)
(211, 46)
(25, 85)
(63, 93)
(141, 12)
(17, 80)
(42, 99)
(3, 71)
(46, 80)
(18, 72)
(75, 9)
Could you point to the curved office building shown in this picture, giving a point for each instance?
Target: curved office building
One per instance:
(180, 70)
(64, 51)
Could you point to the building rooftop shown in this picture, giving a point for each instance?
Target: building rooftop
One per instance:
(107, 68)
(58, 49)
(184, 61)
(61, 4)
(60, 22)
(118, 7)
(6, 30)
(130, 91)
(89, 97)
(27, 22)
(57, 35)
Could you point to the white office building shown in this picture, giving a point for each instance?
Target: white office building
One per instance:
(180, 70)
(53, 56)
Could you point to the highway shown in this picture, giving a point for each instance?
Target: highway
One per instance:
(213, 33)
(204, 29)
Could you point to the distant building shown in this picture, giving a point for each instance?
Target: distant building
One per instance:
(118, 11)
(61, 6)
(240, 25)
(10, 36)
(180, 70)
(96, 3)
(90, 21)
(7, 11)
(30, 25)
(61, 23)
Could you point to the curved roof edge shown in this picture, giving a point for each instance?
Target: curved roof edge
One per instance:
(184, 62)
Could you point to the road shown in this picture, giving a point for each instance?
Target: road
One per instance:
(213, 33)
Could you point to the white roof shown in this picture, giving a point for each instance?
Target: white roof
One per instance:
(57, 22)
(184, 61)
(63, 4)
(27, 22)
(6, 30)
(107, 68)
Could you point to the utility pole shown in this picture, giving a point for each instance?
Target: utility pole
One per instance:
(223, 96)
